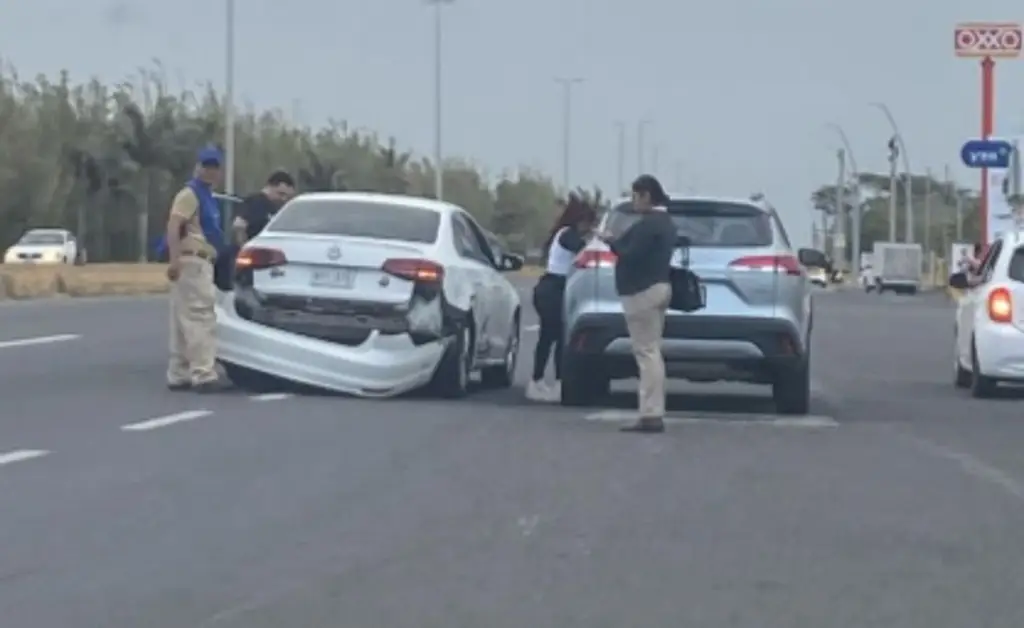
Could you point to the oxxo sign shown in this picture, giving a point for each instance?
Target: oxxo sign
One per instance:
(988, 40)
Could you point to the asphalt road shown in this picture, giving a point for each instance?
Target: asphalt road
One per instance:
(899, 503)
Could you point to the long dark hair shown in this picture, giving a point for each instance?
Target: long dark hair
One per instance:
(649, 184)
(576, 210)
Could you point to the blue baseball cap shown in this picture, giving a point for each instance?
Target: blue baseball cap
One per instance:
(210, 156)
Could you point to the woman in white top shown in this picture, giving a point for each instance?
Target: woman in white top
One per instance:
(564, 242)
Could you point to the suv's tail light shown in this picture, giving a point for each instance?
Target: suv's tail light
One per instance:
(768, 263)
(1000, 306)
(259, 258)
(414, 269)
(595, 259)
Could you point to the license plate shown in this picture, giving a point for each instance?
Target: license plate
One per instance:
(332, 278)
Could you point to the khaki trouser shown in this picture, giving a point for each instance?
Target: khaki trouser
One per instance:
(645, 320)
(193, 342)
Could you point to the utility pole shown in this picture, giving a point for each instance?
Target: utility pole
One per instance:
(1015, 202)
(567, 85)
(839, 239)
(621, 165)
(928, 212)
(641, 127)
(438, 59)
(229, 109)
(894, 154)
(655, 155)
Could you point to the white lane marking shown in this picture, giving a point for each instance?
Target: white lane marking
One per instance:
(38, 340)
(731, 419)
(531, 328)
(971, 466)
(164, 421)
(270, 397)
(21, 454)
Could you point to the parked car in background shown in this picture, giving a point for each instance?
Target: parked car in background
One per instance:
(755, 327)
(43, 246)
(371, 295)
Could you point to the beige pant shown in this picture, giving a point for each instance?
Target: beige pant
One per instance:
(645, 320)
(193, 341)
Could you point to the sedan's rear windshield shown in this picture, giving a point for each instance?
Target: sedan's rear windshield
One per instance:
(41, 237)
(706, 223)
(360, 219)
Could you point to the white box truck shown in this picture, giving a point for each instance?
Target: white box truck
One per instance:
(897, 267)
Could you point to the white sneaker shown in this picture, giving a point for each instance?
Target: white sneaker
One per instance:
(555, 390)
(538, 391)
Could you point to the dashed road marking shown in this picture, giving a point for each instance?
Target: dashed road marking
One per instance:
(164, 421)
(270, 397)
(730, 419)
(38, 340)
(21, 454)
(972, 466)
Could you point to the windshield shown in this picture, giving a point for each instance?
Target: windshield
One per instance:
(359, 219)
(706, 223)
(41, 238)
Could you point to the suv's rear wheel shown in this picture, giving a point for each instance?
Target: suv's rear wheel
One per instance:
(981, 386)
(792, 388)
(584, 383)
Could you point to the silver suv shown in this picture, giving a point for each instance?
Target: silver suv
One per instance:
(756, 326)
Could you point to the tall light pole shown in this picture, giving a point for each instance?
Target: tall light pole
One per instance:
(229, 109)
(908, 235)
(621, 158)
(438, 154)
(855, 226)
(567, 84)
(641, 127)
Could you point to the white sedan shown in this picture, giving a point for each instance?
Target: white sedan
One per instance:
(990, 319)
(371, 295)
(43, 246)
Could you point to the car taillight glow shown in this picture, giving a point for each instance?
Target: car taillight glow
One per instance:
(414, 269)
(259, 258)
(595, 259)
(1000, 306)
(768, 263)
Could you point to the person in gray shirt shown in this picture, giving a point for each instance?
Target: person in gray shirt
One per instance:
(642, 273)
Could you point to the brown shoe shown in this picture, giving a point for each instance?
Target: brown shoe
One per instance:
(646, 425)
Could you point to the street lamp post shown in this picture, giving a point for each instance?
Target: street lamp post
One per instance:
(855, 221)
(438, 154)
(621, 158)
(908, 234)
(567, 85)
(641, 127)
(229, 109)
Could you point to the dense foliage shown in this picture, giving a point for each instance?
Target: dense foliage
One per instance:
(104, 160)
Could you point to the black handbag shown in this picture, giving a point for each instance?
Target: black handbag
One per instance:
(687, 291)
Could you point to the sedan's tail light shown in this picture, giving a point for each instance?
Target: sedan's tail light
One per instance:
(787, 264)
(259, 258)
(1000, 306)
(595, 259)
(414, 269)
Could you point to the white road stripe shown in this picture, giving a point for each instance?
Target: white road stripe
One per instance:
(164, 421)
(21, 454)
(737, 419)
(38, 340)
(270, 397)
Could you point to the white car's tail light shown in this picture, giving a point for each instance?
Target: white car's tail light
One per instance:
(1000, 306)
(595, 259)
(787, 264)
(259, 258)
(420, 270)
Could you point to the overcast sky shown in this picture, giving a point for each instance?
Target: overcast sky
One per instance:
(739, 91)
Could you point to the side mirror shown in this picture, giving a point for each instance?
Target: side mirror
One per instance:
(958, 281)
(510, 262)
(810, 257)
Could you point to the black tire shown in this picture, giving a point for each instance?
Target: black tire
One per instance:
(248, 379)
(503, 375)
(962, 377)
(981, 385)
(584, 383)
(451, 380)
(792, 388)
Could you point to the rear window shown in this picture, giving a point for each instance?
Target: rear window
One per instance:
(706, 223)
(359, 219)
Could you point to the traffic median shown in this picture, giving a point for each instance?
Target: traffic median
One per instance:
(43, 281)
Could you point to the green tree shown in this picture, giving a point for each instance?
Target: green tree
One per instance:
(105, 160)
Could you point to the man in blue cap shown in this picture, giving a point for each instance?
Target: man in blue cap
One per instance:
(194, 237)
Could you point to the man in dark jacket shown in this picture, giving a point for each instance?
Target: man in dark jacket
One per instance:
(257, 209)
(642, 275)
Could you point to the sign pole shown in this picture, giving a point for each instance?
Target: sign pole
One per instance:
(987, 124)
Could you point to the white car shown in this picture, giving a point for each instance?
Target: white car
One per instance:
(990, 319)
(43, 246)
(371, 295)
(866, 278)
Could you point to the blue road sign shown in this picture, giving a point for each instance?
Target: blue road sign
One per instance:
(986, 154)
